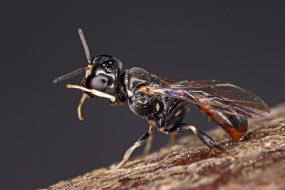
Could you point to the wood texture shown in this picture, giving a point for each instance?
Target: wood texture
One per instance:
(258, 163)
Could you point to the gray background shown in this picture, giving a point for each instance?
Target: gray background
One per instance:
(42, 141)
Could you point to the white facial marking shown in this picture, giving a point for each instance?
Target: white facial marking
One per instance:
(110, 75)
(157, 106)
(194, 129)
(130, 93)
(88, 71)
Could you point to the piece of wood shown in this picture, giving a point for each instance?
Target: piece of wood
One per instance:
(258, 163)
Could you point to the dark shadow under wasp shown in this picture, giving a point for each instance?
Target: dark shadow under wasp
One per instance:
(164, 103)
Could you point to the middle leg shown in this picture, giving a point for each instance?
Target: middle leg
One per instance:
(176, 115)
(148, 141)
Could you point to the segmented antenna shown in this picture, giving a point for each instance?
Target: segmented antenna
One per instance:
(85, 46)
(69, 75)
(81, 70)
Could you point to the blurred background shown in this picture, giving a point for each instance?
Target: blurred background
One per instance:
(42, 141)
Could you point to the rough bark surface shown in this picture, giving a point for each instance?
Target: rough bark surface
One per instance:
(258, 163)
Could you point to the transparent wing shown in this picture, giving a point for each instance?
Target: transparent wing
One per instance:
(216, 95)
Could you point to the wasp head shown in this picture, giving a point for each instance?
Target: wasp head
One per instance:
(101, 77)
(103, 74)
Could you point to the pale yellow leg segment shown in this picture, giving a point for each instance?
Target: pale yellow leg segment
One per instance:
(137, 144)
(127, 155)
(149, 140)
(94, 92)
(171, 139)
(84, 96)
(147, 147)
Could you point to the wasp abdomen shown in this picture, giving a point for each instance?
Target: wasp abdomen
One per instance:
(235, 126)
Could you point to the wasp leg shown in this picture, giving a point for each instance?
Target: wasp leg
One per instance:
(148, 145)
(183, 127)
(149, 140)
(82, 100)
(171, 139)
(129, 152)
(177, 112)
(235, 126)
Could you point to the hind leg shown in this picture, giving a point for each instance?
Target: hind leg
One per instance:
(235, 126)
(184, 127)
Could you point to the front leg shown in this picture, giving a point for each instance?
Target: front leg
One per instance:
(137, 144)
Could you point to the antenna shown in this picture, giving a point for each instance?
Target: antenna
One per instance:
(81, 70)
(69, 75)
(85, 46)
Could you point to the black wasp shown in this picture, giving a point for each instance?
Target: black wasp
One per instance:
(164, 103)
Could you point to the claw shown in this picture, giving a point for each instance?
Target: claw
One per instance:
(215, 149)
(118, 166)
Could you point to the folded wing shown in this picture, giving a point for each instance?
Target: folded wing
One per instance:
(216, 95)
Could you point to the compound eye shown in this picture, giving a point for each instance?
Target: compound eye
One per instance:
(99, 82)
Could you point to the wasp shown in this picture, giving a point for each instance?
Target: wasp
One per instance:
(164, 103)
